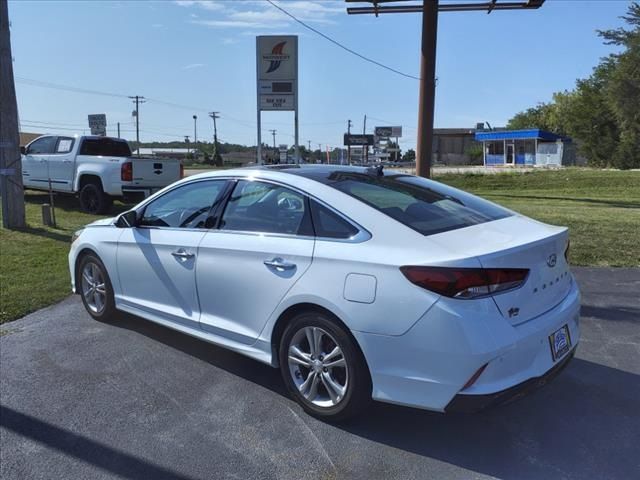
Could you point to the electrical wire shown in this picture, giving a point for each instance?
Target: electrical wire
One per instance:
(335, 42)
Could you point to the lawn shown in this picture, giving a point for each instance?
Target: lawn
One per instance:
(601, 209)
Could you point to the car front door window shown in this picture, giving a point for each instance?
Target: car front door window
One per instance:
(266, 208)
(187, 206)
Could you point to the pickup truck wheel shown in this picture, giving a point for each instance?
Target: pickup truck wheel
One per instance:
(94, 200)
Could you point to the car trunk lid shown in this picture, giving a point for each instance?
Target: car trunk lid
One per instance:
(519, 242)
(155, 172)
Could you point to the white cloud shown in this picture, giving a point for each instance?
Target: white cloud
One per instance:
(193, 65)
(237, 24)
(262, 15)
(206, 4)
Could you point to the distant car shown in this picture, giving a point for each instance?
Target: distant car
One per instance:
(357, 283)
(97, 169)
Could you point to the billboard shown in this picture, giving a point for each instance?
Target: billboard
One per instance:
(98, 124)
(386, 132)
(352, 139)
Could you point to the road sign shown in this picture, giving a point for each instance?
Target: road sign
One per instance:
(386, 132)
(357, 139)
(98, 124)
(277, 79)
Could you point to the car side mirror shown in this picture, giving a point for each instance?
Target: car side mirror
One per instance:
(127, 219)
(23, 150)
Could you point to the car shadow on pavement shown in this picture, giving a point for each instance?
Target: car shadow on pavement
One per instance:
(585, 424)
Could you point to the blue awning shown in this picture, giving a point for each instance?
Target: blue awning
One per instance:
(528, 134)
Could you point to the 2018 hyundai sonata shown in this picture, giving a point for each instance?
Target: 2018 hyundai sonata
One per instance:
(356, 283)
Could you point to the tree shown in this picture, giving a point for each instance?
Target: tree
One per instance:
(409, 156)
(602, 113)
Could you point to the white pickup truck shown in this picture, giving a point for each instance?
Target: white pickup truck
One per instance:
(97, 169)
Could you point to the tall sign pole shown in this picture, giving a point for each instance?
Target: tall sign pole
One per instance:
(10, 161)
(429, 10)
(427, 87)
(277, 81)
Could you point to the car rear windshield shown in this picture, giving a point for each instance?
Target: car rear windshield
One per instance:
(106, 147)
(423, 205)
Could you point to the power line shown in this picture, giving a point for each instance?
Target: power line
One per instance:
(40, 83)
(335, 42)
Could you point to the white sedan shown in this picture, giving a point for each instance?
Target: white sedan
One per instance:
(356, 283)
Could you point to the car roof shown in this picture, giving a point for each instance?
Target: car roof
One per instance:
(327, 174)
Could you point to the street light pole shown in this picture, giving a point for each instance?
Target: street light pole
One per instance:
(195, 129)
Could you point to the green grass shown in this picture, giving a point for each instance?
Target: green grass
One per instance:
(601, 209)
(33, 262)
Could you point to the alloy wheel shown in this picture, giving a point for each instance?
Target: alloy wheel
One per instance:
(318, 367)
(93, 287)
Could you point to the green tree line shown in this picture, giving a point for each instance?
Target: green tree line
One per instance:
(602, 112)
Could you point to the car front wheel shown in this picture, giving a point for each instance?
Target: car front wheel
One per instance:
(95, 288)
(322, 367)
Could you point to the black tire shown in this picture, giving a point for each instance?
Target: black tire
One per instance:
(93, 199)
(355, 374)
(107, 310)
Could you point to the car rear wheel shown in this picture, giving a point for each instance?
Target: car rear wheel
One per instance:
(322, 367)
(94, 200)
(95, 288)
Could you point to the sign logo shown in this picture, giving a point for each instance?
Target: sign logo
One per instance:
(551, 260)
(276, 57)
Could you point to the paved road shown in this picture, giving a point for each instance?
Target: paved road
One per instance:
(83, 399)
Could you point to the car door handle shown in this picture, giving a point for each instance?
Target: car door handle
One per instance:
(279, 264)
(182, 253)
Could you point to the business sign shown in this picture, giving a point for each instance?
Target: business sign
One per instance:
(98, 124)
(357, 140)
(277, 102)
(277, 79)
(386, 132)
(277, 71)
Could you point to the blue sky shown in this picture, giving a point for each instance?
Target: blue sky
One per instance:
(202, 54)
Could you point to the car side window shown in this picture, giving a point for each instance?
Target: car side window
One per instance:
(328, 224)
(266, 208)
(42, 145)
(64, 145)
(187, 206)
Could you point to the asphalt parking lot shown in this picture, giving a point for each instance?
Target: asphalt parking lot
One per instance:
(83, 399)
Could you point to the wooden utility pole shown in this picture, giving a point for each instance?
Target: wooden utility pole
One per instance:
(10, 162)
(137, 99)
(427, 95)
(217, 159)
(429, 10)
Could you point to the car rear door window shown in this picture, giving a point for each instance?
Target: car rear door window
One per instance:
(423, 205)
(266, 208)
(64, 145)
(187, 206)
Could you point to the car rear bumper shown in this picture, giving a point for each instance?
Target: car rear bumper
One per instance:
(428, 366)
(463, 403)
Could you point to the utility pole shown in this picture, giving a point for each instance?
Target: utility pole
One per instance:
(349, 146)
(195, 129)
(10, 161)
(137, 99)
(309, 141)
(273, 132)
(365, 147)
(429, 10)
(118, 129)
(427, 96)
(217, 159)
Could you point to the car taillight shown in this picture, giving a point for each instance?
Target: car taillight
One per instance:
(465, 283)
(181, 170)
(126, 172)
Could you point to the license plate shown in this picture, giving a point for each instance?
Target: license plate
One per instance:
(560, 342)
